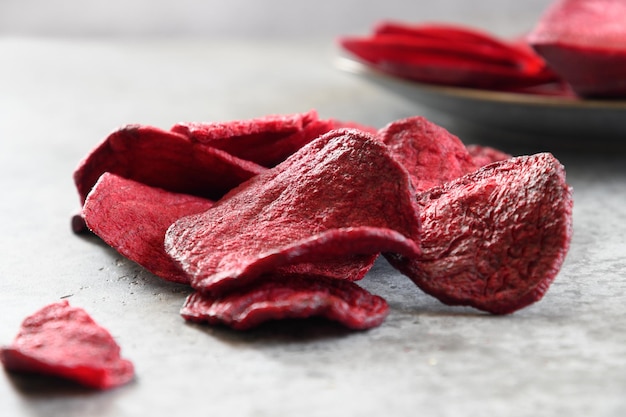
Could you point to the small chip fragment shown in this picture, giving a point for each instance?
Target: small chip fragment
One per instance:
(132, 218)
(308, 208)
(496, 238)
(64, 341)
(289, 296)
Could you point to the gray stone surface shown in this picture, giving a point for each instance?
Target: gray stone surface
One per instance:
(564, 356)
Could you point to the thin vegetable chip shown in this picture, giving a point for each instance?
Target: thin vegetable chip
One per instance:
(295, 296)
(166, 160)
(485, 155)
(449, 55)
(64, 341)
(496, 238)
(308, 208)
(132, 218)
(267, 140)
(430, 153)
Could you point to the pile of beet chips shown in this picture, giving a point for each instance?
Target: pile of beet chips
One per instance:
(281, 216)
(577, 48)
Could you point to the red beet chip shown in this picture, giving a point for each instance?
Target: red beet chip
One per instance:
(229, 130)
(430, 153)
(496, 238)
(444, 54)
(484, 45)
(342, 194)
(485, 155)
(451, 72)
(163, 159)
(289, 297)
(266, 140)
(132, 218)
(584, 41)
(64, 341)
(405, 49)
(339, 124)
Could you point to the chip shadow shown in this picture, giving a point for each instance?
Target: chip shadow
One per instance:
(42, 386)
(286, 331)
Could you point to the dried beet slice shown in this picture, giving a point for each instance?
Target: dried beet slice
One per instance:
(448, 55)
(444, 71)
(132, 218)
(404, 49)
(349, 267)
(289, 296)
(166, 160)
(430, 153)
(440, 31)
(309, 207)
(485, 155)
(273, 124)
(496, 238)
(266, 140)
(584, 41)
(64, 341)
(517, 54)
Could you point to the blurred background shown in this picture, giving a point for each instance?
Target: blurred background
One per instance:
(251, 18)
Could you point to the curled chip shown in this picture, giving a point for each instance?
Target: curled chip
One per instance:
(64, 341)
(430, 153)
(132, 218)
(266, 140)
(163, 159)
(496, 238)
(294, 296)
(341, 195)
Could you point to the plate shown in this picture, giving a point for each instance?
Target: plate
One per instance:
(514, 112)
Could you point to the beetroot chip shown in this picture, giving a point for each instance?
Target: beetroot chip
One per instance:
(584, 41)
(401, 48)
(64, 341)
(341, 195)
(430, 153)
(273, 124)
(166, 160)
(485, 155)
(297, 296)
(449, 55)
(496, 238)
(266, 140)
(466, 73)
(452, 33)
(132, 218)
